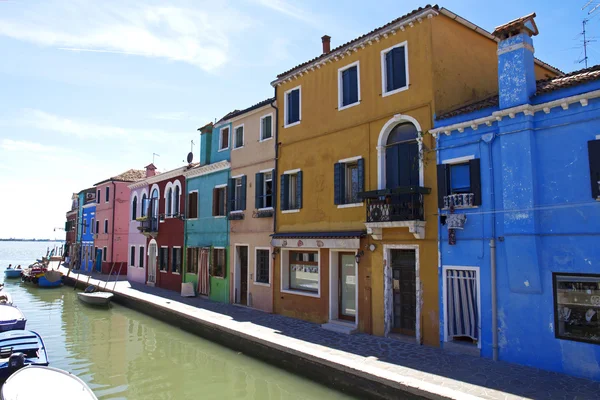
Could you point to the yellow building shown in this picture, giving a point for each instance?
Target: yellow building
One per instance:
(356, 242)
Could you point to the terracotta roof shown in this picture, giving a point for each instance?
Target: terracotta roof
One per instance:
(543, 86)
(227, 116)
(253, 107)
(516, 26)
(130, 175)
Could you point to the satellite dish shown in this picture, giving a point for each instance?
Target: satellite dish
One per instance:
(190, 157)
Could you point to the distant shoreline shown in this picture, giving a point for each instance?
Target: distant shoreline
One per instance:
(31, 240)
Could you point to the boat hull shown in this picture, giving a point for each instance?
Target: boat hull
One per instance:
(29, 343)
(12, 273)
(11, 318)
(48, 381)
(43, 282)
(101, 299)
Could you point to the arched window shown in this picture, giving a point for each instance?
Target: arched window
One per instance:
(402, 156)
(134, 206)
(144, 205)
(170, 202)
(177, 200)
(402, 133)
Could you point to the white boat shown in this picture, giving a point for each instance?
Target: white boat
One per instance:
(95, 298)
(5, 298)
(37, 382)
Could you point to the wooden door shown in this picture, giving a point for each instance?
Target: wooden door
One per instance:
(404, 290)
(243, 257)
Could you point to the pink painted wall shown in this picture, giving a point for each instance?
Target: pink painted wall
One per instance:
(135, 273)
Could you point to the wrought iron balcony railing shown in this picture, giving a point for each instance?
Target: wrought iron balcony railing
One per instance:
(398, 204)
(148, 224)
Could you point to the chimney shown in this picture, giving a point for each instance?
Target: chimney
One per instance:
(516, 77)
(150, 170)
(326, 40)
(205, 143)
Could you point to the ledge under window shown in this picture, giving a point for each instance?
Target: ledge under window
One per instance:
(290, 211)
(292, 124)
(301, 293)
(350, 205)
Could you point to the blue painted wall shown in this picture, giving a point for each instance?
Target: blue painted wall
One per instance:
(87, 238)
(81, 197)
(536, 195)
(215, 154)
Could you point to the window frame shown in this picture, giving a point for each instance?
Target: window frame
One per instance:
(238, 185)
(289, 210)
(264, 190)
(92, 222)
(132, 253)
(192, 250)
(107, 194)
(234, 147)
(269, 261)
(285, 275)
(285, 107)
(222, 187)
(134, 207)
(173, 248)
(188, 206)
(384, 92)
(141, 255)
(261, 133)
(106, 226)
(221, 148)
(224, 263)
(164, 271)
(104, 252)
(341, 70)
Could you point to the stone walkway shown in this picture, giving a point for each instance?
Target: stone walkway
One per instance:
(432, 370)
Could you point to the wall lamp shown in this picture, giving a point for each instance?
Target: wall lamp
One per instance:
(275, 252)
(358, 256)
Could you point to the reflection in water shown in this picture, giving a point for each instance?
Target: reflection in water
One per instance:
(122, 354)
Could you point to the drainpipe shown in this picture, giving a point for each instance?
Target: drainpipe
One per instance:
(489, 139)
(112, 239)
(276, 157)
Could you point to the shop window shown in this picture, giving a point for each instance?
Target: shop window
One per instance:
(304, 271)
(262, 266)
(576, 307)
(218, 263)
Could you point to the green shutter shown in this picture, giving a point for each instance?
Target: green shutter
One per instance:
(285, 184)
(258, 190)
(243, 194)
(230, 194)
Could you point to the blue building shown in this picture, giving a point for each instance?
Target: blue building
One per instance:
(519, 191)
(87, 227)
(207, 225)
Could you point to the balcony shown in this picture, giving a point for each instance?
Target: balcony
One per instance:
(148, 226)
(395, 208)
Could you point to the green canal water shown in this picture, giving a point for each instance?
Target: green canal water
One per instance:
(122, 354)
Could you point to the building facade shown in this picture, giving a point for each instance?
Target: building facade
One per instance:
(356, 233)
(137, 241)
(251, 199)
(206, 222)
(88, 225)
(112, 221)
(71, 249)
(519, 204)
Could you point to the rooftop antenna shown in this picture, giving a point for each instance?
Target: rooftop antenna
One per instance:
(154, 155)
(586, 41)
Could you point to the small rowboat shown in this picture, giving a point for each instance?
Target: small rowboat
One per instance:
(36, 382)
(11, 318)
(95, 298)
(12, 273)
(19, 349)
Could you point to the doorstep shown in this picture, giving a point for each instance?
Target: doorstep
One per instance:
(336, 325)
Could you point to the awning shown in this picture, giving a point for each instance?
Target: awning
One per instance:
(329, 240)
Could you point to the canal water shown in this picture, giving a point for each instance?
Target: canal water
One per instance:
(122, 354)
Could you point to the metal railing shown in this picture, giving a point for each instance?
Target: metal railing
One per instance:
(398, 204)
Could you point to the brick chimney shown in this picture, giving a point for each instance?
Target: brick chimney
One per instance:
(326, 40)
(150, 170)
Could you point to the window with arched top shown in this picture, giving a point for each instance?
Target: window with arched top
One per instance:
(134, 206)
(170, 202)
(144, 205)
(402, 156)
(177, 200)
(402, 133)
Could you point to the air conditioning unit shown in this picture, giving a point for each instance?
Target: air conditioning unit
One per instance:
(90, 196)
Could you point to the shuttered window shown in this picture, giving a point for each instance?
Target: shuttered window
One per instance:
(192, 205)
(237, 190)
(132, 256)
(462, 178)
(395, 69)
(104, 253)
(192, 260)
(97, 226)
(176, 260)
(266, 127)
(163, 258)
(594, 157)
(92, 223)
(348, 86)
(142, 256)
(224, 139)
(263, 193)
(219, 202)
(291, 191)
(170, 202)
(348, 181)
(176, 201)
(239, 137)
(292, 106)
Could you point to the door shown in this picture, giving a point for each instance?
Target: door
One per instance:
(347, 287)
(243, 274)
(152, 250)
(99, 260)
(404, 289)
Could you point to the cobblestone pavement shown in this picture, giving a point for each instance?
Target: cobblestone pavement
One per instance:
(473, 376)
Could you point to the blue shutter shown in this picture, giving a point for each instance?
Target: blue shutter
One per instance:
(294, 106)
(391, 167)
(399, 67)
(243, 199)
(389, 72)
(273, 189)
(258, 188)
(285, 189)
(361, 175)
(230, 194)
(352, 85)
(346, 87)
(338, 182)
(299, 190)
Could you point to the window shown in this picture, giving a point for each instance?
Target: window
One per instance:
(132, 256)
(264, 190)
(144, 205)
(176, 260)
(262, 271)
(92, 231)
(134, 208)
(291, 191)
(192, 260)
(97, 226)
(98, 196)
(84, 227)
(142, 256)
(266, 127)
(292, 107)
(105, 226)
(95, 253)
(304, 271)
(238, 139)
(104, 253)
(348, 180)
(169, 196)
(219, 205)
(594, 157)
(163, 259)
(461, 289)
(394, 66)
(348, 86)
(218, 263)
(224, 139)
(237, 191)
(176, 200)
(459, 184)
(192, 205)
(576, 307)
(107, 194)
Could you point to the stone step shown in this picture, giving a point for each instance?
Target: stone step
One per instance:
(340, 327)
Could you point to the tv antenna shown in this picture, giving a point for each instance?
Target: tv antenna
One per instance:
(594, 6)
(154, 155)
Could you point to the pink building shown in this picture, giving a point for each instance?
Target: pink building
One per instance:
(112, 220)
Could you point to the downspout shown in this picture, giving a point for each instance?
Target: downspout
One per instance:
(112, 239)
(275, 179)
(439, 244)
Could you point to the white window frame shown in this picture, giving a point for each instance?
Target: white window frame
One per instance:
(144, 252)
(341, 85)
(134, 255)
(350, 160)
(221, 148)
(264, 188)
(168, 186)
(210, 264)
(198, 204)
(285, 107)
(106, 226)
(384, 74)
(285, 273)
(261, 138)
(221, 186)
(180, 259)
(237, 179)
(234, 136)
(256, 266)
(104, 254)
(158, 264)
(175, 184)
(444, 294)
(291, 172)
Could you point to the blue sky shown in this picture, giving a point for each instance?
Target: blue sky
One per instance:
(89, 89)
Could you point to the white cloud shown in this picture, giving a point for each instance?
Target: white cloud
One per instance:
(26, 146)
(171, 116)
(198, 36)
(291, 10)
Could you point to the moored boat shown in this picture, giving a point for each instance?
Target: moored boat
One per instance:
(11, 318)
(12, 273)
(37, 382)
(18, 349)
(5, 298)
(95, 298)
(41, 276)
